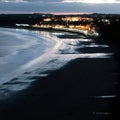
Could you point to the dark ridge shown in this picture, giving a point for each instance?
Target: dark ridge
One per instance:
(111, 34)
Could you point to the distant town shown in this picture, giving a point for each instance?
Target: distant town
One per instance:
(85, 22)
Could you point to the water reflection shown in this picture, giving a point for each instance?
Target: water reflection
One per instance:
(45, 52)
(101, 113)
(105, 97)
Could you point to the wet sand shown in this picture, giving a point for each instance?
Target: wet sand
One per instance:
(84, 89)
(71, 93)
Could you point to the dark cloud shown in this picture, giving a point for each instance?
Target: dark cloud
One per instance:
(33, 0)
(53, 6)
(44, 1)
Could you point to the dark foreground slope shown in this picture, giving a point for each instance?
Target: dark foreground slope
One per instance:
(67, 94)
(83, 89)
(111, 34)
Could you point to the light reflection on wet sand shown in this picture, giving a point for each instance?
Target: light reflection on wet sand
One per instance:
(63, 52)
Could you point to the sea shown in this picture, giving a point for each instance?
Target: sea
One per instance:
(26, 55)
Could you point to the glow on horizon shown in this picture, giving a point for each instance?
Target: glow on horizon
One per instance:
(69, 13)
(91, 1)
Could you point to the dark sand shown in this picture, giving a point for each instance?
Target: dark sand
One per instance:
(71, 93)
(67, 94)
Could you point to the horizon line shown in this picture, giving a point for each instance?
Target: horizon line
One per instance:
(55, 13)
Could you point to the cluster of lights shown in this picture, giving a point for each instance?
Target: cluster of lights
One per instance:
(68, 23)
(72, 27)
(73, 19)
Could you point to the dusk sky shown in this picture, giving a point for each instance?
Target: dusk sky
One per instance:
(89, 6)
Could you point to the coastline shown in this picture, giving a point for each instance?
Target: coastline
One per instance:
(92, 36)
(68, 93)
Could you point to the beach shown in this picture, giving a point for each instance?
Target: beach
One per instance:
(82, 85)
(70, 93)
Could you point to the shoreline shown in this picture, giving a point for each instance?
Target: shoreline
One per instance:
(67, 93)
(54, 30)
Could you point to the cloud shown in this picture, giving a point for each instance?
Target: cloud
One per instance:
(13, 1)
(64, 1)
(58, 6)
(91, 1)
(36, 1)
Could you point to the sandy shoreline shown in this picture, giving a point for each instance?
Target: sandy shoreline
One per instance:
(70, 93)
(67, 93)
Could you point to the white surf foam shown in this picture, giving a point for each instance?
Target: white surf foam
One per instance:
(48, 52)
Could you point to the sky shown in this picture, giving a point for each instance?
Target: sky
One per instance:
(60, 6)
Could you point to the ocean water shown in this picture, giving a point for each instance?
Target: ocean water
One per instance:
(28, 55)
